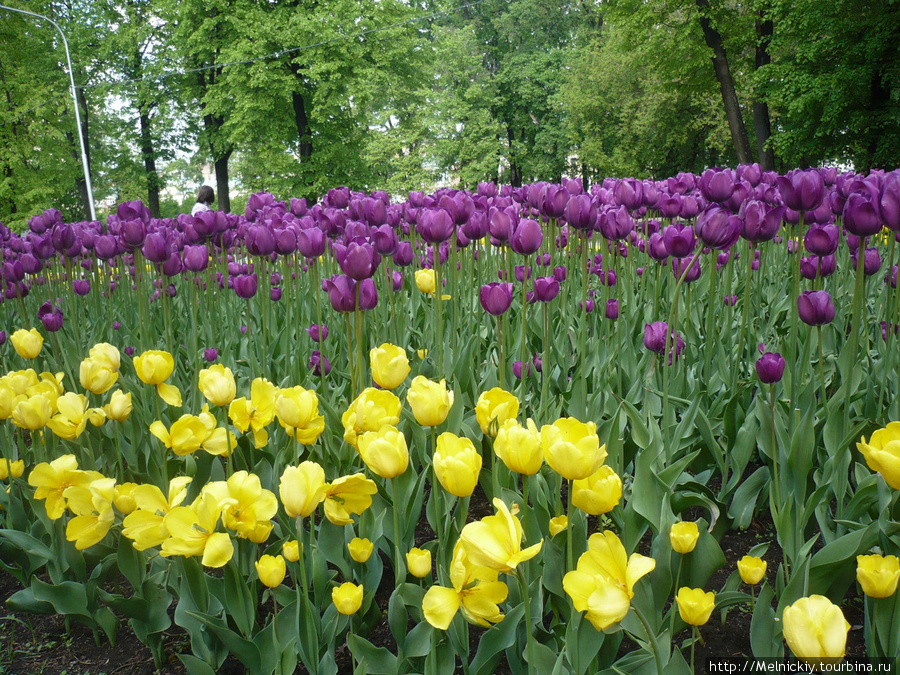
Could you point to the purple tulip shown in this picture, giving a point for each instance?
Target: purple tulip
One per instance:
(546, 289)
(616, 224)
(133, 233)
(730, 300)
(2, 337)
(559, 273)
(581, 213)
(688, 268)
(655, 339)
(496, 297)
(319, 364)
(612, 309)
(555, 200)
(890, 200)
(81, 286)
(718, 229)
(341, 291)
(717, 185)
(368, 295)
(629, 193)
(403, 256)
(317, 332)
(275, 294)
(396, 281)
(435, 225)
(822, 240)
(196, 258)
(156, 248)
(527, 237)
(815, 308)
(814, 266)
(862, 211)
(357, 260)
(802, 190)
(871, 262)
(311, 242)
(210, 354)
(51, 316)
(129, 351)
(517, 369)
(770, 367)
(761, 221)
(245, 285)
(679, 240)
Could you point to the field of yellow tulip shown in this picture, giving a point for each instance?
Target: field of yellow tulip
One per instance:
(466, 475)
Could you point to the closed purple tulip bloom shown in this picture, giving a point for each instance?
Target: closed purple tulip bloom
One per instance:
(396, 281)
(129, 351)
(546, 289)
(527, 237)
(612, 309)
(815, 308)
(770, 367)
(133, 233)
(556, 198)
(690, 206)
(655, 336)
(210, 354)
(341, 291)
(669, 206)
(581, 213)
(317, 332)
(196, 258)
(679, 240)
(890, 200)
(871, 262)
(156, 248)
(559, 273)
(862, 211)
(435, 225)
(2, 337)
(245, 285)
(802, 190)
(717, 185)
(717, 228)
(403, 256)
(357, 261)
(616, 224)
(687, 267)
(81, 286)
(822, 240)
(172, 266)
(51, 316)
(761, 221)
(319, 364)
(496, 297)
(629, 193)
(368, 294)
(815, 266)
(517, 369)
(311, 242)
(275, 294)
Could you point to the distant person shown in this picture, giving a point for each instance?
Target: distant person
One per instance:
(205, 199)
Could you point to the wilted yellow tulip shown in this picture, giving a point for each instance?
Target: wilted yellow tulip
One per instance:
(346, 496)
(384, 451)
(456, 464)
(572, 448)
(683, 536)
(106, 355)
(558, 524)
(347, 598)
(519, 448)
(751, 569)
(271, 570)
(249, 504)
(52, 480)
(8, 468)
(494, 407)
(475, 591)
(32, 413)
(302, 489)
(291, 550)
(154, 367)
(598, 493)
(882, 453)
(216, 383)
(257, 413)
(145, 526)
(95, 377)
(192, 532)
(92, 505)
(602, 584)
(72, 417)
(695, 606)
(430, 401)
(390, 365)
(815, 630)
(119, 407)
(425, 281)
(360, 549)
(27, 343)
(419, 562)
(495, 541)
(878, 575)
(370, 411)
(298, 411)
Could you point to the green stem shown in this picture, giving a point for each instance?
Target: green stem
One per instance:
(652, 638)
(569, 554)
(529, 633)
(398, 561)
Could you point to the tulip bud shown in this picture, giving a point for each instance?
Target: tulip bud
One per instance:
(271, 570)
(27, 343)
(816, 630)
(695, 606)
(684, 536)
(456, 464)
(770, 368)
(599, 493)
(347, 598)
(360, 549)
(752, 569)
(291, 550)
(419, 562)
(878, 575)
(558, 524)
(390, 365)
(430, 401)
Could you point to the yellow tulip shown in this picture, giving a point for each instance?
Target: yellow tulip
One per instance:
(572, 448)
(425, 281)
(695, 606)
(106, 355)
(119, 407)
(347, 598)
(360, 549)
(96, 416)
(384, 451)
(495, 407)
(751, 569)
(32, 413)
(124, 500)
(602, 584)
(419, 562)
(27, 343)
(192, 532)
(878, 575)
(882, 453)
(302, 489)
(260, 533)
(558, 524)
(475, 591)
(92, 505)
(185, 436)
(683, 536)
(249, 504)
(14, 469)
(456, 464)
(291, 550)
(145, 526)
(257, 413)
(430, 401)
(216, 383)
(8, 400)
(390, 365)
(370, 411)
(495, 541)
(271, 570)
(95, 377)
(519, 448)
(20, 380)
(346, 496)
(298, 412)
(421, 353)
(154, 367)
(598, 493)
(72, 417)
(52, 480)
(815, 630)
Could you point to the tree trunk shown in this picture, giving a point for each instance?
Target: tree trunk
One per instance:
(515, 175)
(222, 182)
(301, 119)
(879, 101)
(762, 125)
(726, 84)
(149, 163)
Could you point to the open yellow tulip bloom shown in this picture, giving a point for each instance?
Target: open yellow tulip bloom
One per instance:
(695, 606)
(298, 412)
(257, 413)
(475, 590)
(882, 453)
(154, 367)
(457, 464)
(192, 532)
(34, 412)
(430, 401)
(494, 407)
(495, 541)
(248, 503)
(92, 505)
(72, 417)
(683, 536)
(346, 496)
(390, 365)
(815, 630)
(27, 343)
(52, 480)
(145, 526)
(572, 448)
(878, 575)
(558, 524)
(598, 493)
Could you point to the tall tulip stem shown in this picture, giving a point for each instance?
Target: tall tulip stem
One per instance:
(529, 633)
(398, 560)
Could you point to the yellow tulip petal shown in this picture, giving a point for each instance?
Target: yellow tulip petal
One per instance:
(218, 551)
(440, 605)
(170, 394)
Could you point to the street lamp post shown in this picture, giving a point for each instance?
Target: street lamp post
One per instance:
(84, 160)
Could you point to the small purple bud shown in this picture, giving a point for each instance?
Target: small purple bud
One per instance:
(319, 364)
(81, 286)
(210, 354)
(612, 309)
(770, 368)
(275, 294)
(116, 325)
(129, 351)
